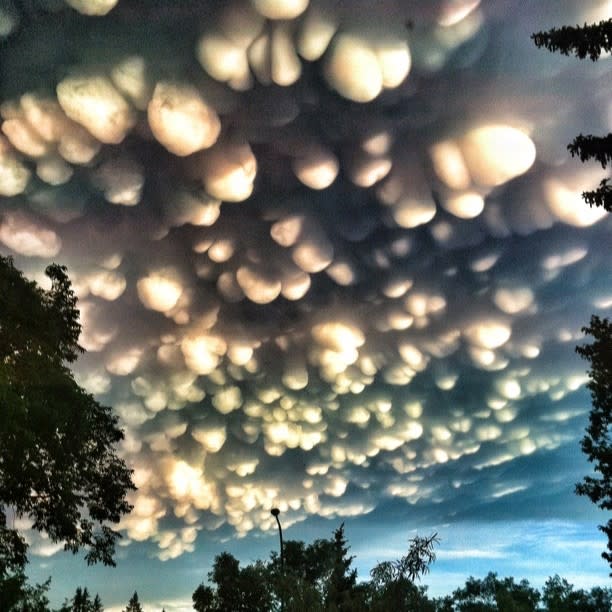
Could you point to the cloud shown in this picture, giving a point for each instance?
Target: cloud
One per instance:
(325, 262)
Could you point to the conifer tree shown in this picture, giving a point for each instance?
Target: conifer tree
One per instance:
(133, 604)
(592, 41)
(597, 442)
(585, 41)
(343, 578)
(96, 606)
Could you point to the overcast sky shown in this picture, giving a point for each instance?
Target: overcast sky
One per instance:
(330, 257)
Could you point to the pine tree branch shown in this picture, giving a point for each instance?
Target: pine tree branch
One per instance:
(602, 196)
(588, 40)
(592, 147)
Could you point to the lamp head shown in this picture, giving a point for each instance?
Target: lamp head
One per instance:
(275, 512)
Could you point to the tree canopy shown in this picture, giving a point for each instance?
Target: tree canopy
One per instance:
(58, 461)
(492, 594)
(319, 577)
(82, 602)
(592, 41)
(589, 40)
(597, 442)
(316, 577)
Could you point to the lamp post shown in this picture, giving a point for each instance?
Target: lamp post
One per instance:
(275, 512)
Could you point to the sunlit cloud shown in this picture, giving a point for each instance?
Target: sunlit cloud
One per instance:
(325, 261)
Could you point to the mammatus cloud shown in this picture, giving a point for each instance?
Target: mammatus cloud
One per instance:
(324, 259)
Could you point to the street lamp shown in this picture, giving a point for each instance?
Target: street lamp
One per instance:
(275, 512)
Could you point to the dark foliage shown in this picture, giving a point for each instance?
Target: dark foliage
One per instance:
(392, 582)
(492, 594)
(592, 147)
(581, 41)
(235, 589)
(592, 41)
(317, 577)
(597, 442)
(602, 196)
(340, 587)
(58, 464)
(559, 596)
(82, 602)
(133, 604)
(599, 149)
(585, 41)
(16, 595)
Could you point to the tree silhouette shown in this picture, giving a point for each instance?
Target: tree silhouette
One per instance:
(203, 598)
(392, 585)
(341, 584)
(592, 41)
(133, 604)
(82, 602)
(58, 464)
(492, 594)
(581, 41)
(235, 589)
(559, 595)
(16, 595)
(597, 442)
(585, 41)
(315, 571)
(96, 605)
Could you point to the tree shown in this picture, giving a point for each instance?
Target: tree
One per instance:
(225, 574)
(133, 604)
(16, 595)
(340, 592)
(96, 605)
(493, 595)
(317, 577)
(597, 442)
(559, 596)
(588, 40)
(301, 582)
(82, 602)
(203, 598)
(235, 589)
(592, 41)
(392, 585)
(58, 464)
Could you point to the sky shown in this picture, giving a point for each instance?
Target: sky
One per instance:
(331, 257)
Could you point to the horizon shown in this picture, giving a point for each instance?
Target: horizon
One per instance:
(347, 281)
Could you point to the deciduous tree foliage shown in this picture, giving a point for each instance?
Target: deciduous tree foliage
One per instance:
(317, 577)
(597, 442)
(310, 570)
(492, 594)
(237, 589)
(559, 596)
(58, 461)
(585, 41)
